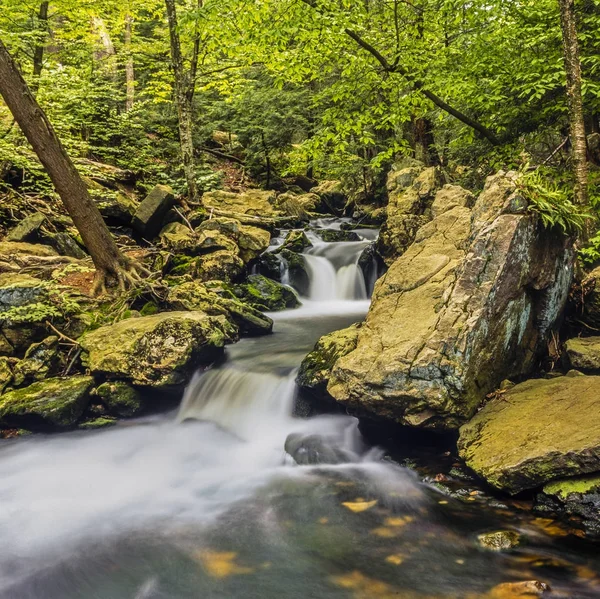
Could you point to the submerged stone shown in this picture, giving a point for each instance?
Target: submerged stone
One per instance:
(536, 432)
(52, 403)
(499, 540)
(161, 350)
(309, 450)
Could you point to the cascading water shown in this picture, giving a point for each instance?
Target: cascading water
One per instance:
(205, 504)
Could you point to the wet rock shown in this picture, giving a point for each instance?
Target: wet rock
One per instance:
(253, 202)
(149, 215)
(195, 296)
(335, 235)
(156, 351)
(583, 354)
(332, 196)
(52, 403)
(307, 450)
(265, 294)
(295, 241)
(290, 205)
(519, 590)
(316, 367)
(573, 498)
(271, 265)
(372, 266)
(97, 423)
(535, 432)
(120, 398)
(499, 540)
(39, 362)
(411, 192)
(296, 270)
(27, 229)
(177, 237)
(472, 301)
(19, 290)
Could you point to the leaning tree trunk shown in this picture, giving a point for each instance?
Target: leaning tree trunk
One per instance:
(184, 93)
(38, 53)
(575, 99)
(68, 183)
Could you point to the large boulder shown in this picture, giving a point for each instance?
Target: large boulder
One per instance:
(27, 229)
(332, 196)
(161, 350)
(473, 301)
(193, 295)
(411, 192)
(252, 202)
(535, 432)
(149, 215)
(316, 368)
(53, 403)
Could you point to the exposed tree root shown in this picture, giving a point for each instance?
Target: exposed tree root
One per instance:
(126, 273)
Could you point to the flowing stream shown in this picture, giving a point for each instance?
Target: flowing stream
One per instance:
(205, 503)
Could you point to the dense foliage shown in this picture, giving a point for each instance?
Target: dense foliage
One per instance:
(334, 89)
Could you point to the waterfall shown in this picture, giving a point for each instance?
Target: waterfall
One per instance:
(334, 272)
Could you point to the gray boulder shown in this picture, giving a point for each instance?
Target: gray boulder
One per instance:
(149, 215)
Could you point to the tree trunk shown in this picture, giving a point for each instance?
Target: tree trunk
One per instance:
(575, 99)
(184, 94)
(129, 71)
(68, 183)
(38, 53)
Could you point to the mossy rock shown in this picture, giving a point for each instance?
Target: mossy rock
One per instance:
(295, 241)
(583, 354)
(335, 235)
(40, 361)
(120, 398)
(223, 265)
(265, 294)
(569, 486)
(193, 295)
(316, 367)
(296, 270)
(102, 422)
(271, 265)
(535, 432)
(160, 351)
(53, 403)
(6, 373)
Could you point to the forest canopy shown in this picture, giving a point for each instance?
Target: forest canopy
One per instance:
(334, 89)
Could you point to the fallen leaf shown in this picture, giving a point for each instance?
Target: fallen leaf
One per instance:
(359, 505)
(221, 564)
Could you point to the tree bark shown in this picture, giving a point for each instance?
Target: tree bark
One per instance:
(68, 183)
(129, 70)
(38, 52)
(575, 99)
(184, 93)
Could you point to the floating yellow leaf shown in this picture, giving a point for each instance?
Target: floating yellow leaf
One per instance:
(221, 564)
(362, 585)
(394, 559)
(460, 562)
(384, 533)
(323, 520)
(359, 506)
(443, 502)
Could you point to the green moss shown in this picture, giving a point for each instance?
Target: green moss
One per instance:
(54, 402)
(564, 488)
(120, 398)
(102, 422)
(148, 309)
(266, 295)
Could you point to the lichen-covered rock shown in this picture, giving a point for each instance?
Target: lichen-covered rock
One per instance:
(52, 403)
(6, 374)
(39, 362)
(194, 295)
(411, 192)
(178, 238)
(65, 245)
(316, 367)
(157, 351)
(19, 290)
(149, 215)
(114, 206)
(576, 499)
(27, 229)
(499, 540)
(295, 241)
(265, 294)
(253, 201)
(535, 432)
(120, 398)
(229, 227)
(252, 241)
(298, 204)
(470, 303)
(223, 265)
(583, 354)
(10, 248)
